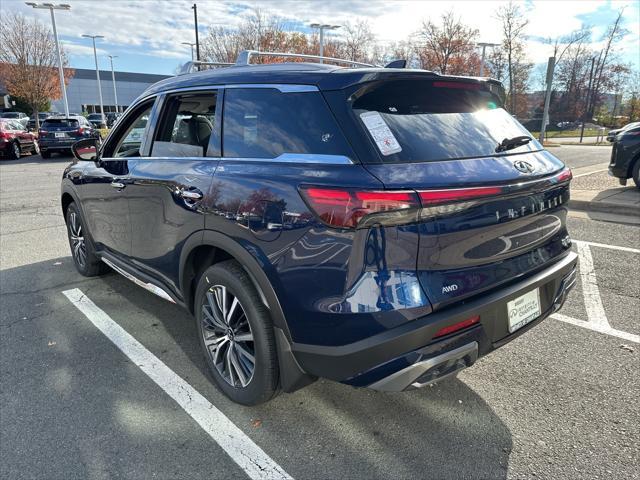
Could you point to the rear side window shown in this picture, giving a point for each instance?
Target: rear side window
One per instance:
(187, 125)
(266, 123)
(430, 120)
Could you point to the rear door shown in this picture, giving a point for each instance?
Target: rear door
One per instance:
(167, 187)
(490, 213)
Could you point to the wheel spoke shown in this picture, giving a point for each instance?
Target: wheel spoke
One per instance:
(234, 305)
(244, 337)
(218, 350)
(229, 366)
(213, 320)
(245, 353)
(237, 367)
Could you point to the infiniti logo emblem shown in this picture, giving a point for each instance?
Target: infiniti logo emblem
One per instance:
(523, 166)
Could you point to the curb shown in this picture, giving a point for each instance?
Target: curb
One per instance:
(604, 207)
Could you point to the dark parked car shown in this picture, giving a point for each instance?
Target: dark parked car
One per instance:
(625, 156)
(57, 135)
(380, 227)
(42, 116)
(112, 117)
(16, 140)
(612, 133)
(97, 120)
(19, 116)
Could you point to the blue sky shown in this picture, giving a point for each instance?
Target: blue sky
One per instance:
(146, 34)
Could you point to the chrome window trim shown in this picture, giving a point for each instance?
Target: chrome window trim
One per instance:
(305, 158)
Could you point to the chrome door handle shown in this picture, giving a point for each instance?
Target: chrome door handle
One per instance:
(118, 185)
(191, 195)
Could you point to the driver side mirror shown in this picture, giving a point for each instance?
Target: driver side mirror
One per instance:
(87, 149)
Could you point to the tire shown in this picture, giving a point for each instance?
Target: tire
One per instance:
(45, 154)
(636, 173)
(230, 344)
(14, 151)
(82, 250)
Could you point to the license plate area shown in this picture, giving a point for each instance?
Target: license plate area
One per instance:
(60, 135)
(523, 309)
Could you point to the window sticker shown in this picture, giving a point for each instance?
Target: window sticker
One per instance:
(381, 133)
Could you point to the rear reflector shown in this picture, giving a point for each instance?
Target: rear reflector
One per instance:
(347, 208)
(457, 326)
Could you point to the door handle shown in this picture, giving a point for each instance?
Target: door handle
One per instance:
(118, 185)
(191, 195)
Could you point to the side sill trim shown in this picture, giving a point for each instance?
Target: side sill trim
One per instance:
(147, 286)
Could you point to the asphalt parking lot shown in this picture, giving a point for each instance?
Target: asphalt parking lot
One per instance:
(558, 402)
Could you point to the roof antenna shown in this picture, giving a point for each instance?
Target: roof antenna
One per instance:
(401, 63)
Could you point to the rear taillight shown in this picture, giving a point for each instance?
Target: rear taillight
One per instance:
(80, 130)
(456, 327)
(564, 176)
(436, 197)
(348, 208)
(42, 132)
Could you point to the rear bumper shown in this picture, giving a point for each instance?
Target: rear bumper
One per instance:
(408, 356)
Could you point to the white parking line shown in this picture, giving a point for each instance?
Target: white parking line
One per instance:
(242, 450)
(596, 317)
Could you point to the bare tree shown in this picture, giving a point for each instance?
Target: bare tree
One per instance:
(448, 47)
(358, 41)
(513, 35)
(28, 61)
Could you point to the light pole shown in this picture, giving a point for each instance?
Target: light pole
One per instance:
(484, 46)
(190, 45)
(195, 24)
(322, 27)
(95, 57)
(51, 7)
(113, 77)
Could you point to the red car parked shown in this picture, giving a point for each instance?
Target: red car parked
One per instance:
(16, 140)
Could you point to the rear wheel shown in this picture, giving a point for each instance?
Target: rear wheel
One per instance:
(45, 154)
(14, 151)
(236, 334)
(82, 250)
(636, 173)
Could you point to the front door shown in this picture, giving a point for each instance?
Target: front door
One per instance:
(104, 198)
(167, 189)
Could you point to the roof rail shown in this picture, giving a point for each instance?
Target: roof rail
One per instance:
(245, 58)
(191, 67)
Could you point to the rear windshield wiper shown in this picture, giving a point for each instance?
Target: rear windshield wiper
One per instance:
(510, 143)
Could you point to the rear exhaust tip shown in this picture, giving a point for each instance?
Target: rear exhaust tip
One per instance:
(429, 371)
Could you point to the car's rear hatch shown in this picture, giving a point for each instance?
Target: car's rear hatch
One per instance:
(61, 129)
(489, 215)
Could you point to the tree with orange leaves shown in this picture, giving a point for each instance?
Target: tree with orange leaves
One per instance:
(28, 61)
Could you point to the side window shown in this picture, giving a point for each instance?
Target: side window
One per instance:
(265, 123)
(128, 139)
(186, 125)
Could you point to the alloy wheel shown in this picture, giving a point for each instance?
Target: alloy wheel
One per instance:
(228, 337)
(16, 151)
(78, 246)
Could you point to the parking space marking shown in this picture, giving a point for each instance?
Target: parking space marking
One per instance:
(242, 450)
(596, 316)
(610, 247)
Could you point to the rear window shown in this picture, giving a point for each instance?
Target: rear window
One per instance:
(422, 121)
(266, 123)
(70, 123)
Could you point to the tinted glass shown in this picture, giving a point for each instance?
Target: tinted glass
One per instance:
(9, 115)
(131, 139)
(436, 120)
(70, 123)
(265, 123)
(186, 126)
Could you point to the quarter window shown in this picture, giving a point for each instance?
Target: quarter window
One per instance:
(187, 125)
(265, 123)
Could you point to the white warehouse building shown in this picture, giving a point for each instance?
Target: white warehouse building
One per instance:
(82, 90)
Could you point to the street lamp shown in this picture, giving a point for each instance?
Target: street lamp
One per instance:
(322, 27)
(51, 7)
(113, 77)
(190, 45)
(95, 57)
(484, 46)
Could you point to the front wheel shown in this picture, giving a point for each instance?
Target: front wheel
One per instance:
(236, 334)
(14, 151)
(636, 173)
(84, 256)
(35, 150)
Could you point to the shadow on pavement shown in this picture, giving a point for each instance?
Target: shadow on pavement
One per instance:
(65, 406)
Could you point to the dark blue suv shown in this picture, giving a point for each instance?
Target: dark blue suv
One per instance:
(381, 227)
